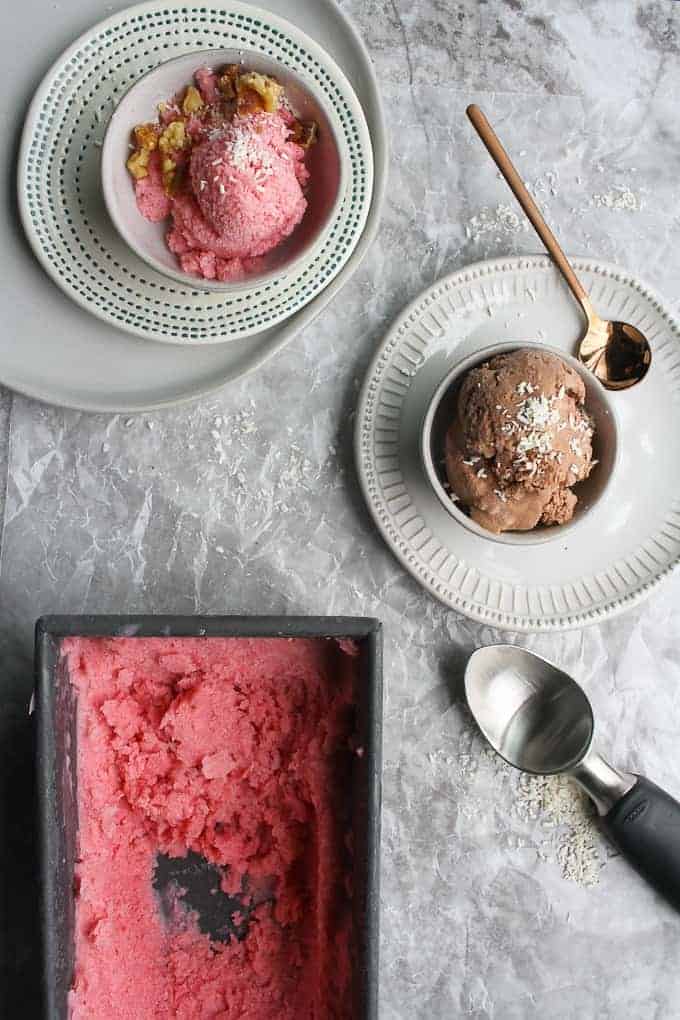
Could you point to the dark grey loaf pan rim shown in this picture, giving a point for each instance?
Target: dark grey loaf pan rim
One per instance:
(57, 962)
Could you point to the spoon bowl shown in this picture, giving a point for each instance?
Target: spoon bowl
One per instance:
(616, 352)
(535, 716)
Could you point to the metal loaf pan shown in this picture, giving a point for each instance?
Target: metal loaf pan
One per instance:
(56, 775)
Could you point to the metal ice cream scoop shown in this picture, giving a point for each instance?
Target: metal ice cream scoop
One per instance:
(539, 720)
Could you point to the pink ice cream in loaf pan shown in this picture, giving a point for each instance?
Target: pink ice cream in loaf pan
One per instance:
(209, 796)
(246, 202)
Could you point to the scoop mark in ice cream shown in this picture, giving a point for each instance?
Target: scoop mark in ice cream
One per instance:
(520, 440)
(214, 786)
(227, 164)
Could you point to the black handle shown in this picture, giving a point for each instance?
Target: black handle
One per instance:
(645, 826)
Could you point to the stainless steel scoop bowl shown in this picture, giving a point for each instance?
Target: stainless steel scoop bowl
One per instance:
(539, 720)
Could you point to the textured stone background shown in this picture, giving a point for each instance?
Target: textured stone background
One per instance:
(500, 901)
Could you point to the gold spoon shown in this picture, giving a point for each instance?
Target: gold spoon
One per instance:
(616, 352)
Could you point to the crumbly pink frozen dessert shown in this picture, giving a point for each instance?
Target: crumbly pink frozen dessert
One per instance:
(520, 441)
(238, 753)
(226, 163)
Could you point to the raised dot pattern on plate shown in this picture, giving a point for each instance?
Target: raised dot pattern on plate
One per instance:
(399, 506)
(59, 175)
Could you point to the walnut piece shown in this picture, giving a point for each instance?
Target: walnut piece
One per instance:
(267, 88)
(168, 168)
(146, 136)
(249, 101)
(192, 101)
(138, 163)
(174, 137)
(304, 133)
(226, 82)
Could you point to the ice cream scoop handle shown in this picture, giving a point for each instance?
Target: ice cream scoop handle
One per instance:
(521, 193)
(645, 826)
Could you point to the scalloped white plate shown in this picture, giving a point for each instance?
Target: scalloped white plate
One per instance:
(630, 540)
(60, 196)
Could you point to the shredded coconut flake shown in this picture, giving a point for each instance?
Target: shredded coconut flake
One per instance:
(536, 412)
(566, 817)
(620, 199)
(246, 153)
(501, 220)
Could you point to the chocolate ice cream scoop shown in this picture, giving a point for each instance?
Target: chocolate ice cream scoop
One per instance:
(520, 440)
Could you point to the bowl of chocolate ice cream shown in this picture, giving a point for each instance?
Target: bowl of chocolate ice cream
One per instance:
(519, 442)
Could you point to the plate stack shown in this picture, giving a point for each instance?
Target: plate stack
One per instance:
(77, 201)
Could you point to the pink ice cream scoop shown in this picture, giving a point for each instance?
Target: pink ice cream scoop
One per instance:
(247, 182)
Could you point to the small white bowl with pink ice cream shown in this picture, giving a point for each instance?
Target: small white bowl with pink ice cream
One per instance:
(224, 171)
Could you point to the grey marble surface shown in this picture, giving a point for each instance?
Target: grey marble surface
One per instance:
(500, 899)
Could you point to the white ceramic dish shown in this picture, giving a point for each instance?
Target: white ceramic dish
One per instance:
(327, 161)
(631, 538)
(441, 410)
(59, 181)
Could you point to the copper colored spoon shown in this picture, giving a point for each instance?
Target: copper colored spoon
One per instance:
(616, 352)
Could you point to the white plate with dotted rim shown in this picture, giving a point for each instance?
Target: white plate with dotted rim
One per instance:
(630, 540)
(59, 184)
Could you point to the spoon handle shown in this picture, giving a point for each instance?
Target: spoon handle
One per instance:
(645, 825)
(519, 190)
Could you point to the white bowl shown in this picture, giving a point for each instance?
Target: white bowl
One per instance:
(326, 161)
(439, 415)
